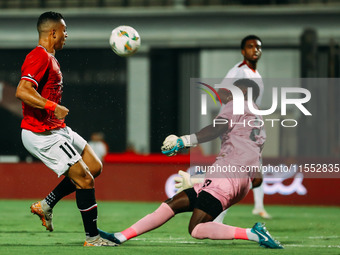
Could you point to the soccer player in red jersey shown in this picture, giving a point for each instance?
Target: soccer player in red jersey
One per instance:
(46, 136)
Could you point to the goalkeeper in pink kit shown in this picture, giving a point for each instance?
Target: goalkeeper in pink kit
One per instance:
(241, 148)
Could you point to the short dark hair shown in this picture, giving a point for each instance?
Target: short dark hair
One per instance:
(249, 37)
(48, 16)
(249, 84)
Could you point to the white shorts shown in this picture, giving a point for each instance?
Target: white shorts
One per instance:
(58, 149)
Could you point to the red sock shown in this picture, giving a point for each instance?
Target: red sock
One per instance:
(129, 233)
(241, 233)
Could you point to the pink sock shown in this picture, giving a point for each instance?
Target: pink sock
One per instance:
(218, 231)
(150, 221)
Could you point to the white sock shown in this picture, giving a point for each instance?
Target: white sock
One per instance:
(220, 217)
(252, 236)
(120, 237)
(92, 238)
(45, 206)
(258, 197)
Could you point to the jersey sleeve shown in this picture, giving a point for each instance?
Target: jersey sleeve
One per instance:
(233, 75)
(34, 68)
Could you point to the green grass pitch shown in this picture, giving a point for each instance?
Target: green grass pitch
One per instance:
(302, 230)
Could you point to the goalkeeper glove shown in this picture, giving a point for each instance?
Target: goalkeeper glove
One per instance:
(185, 181)
(172, 144)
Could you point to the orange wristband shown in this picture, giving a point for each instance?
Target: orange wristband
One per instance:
(50, 105)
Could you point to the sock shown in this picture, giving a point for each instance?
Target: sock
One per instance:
(87, 206)
(252, 236)
(218, 231)
(45, 206)
(149, 222)
(220, 217)
(64, 188)
(258, 197)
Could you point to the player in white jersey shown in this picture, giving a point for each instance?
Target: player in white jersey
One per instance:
(251, 49)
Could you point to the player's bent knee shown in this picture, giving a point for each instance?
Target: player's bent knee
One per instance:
(92, 161)
(86, 182)
(194, 232)
(89, 181)
(191, 230)
(192, 226)
(97, 169)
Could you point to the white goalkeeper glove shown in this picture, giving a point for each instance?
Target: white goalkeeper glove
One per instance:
(172, 144)
(186, 181)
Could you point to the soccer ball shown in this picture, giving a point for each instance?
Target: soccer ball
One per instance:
(124, 41)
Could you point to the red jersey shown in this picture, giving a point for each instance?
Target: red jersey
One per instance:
(43, 70)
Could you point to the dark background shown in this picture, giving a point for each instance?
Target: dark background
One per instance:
(94, 91)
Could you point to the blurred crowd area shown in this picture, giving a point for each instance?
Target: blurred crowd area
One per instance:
(147, 3)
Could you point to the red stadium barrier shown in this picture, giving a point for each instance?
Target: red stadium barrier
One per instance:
(142, 178)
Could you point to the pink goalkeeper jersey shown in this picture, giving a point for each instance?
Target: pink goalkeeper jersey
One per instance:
(241, 145)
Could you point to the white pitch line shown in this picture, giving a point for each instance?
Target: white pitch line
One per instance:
(160, 238)
(311, 246)
(278, 237)
(309, 237)
(323, 237)
(188, 242)
(285, 245)
(182, 240)
(165, 241)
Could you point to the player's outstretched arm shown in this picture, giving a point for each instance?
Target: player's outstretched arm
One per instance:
(172, 143)
(26, 92)
(211, 132)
